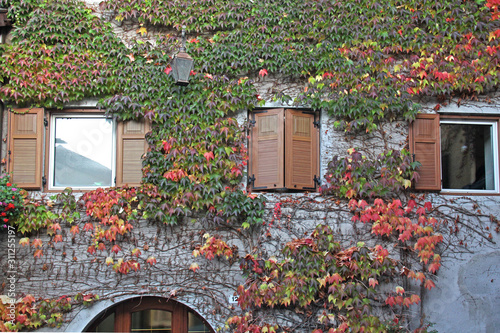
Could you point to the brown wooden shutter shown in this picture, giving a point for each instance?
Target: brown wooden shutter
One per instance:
(266, 153)
(131, 146)
(301, 150)
(26, 147)
(425, 145)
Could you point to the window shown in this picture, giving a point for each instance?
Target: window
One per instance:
(458, 155)
(284, 150)
(81, 149)
(149, 314)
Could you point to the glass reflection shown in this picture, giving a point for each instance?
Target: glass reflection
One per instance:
(152, 321)
(83, 152)
(467, 156)
(196, 325)
(107, 325)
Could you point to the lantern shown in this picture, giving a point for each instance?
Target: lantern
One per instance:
(182, 64)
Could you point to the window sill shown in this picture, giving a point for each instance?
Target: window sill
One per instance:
(472, 193)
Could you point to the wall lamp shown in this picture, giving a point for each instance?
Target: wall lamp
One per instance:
(182, 64)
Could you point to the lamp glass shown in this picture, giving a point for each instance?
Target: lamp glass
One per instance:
(181, 68)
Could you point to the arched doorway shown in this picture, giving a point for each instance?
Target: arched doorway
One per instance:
(149, 314)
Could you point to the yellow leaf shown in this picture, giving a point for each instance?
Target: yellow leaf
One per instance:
(143, 31)
(24, 241)
(194, 266)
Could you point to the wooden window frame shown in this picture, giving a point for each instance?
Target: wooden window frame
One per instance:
(43, 157)
(458, 119)
(283, 144)
(123, 314)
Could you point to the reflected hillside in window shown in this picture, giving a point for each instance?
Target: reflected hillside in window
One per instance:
(73, 169)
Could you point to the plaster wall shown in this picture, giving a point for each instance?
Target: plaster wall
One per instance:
(467, 293)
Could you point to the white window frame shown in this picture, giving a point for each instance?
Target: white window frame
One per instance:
(495, 145)
(51, 147)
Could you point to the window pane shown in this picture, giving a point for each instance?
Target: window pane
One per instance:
(152, 321)
(195, 324)
(107, 325)
(83, 152)
(467, 156)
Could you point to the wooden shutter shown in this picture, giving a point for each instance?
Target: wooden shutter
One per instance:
(425, 145)
(26, 147)
(131, 146)
(266, 153)
(301, 150)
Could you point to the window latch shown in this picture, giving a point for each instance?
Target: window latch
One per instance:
(316, 124)
(44, 181)
(251, 180)
(317, 180)
(252, 123)
(45, 122)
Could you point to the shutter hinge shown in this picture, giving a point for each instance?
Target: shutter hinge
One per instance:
(44, 181)
(317, 180)
(251, 180)
(413, 157)
(316, 124)
(45, 122)
(252, 123)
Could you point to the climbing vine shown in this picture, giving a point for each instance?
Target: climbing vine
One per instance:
(60, 52)
(336, 288)
(357, 176)
(29, 313)
(362, 62)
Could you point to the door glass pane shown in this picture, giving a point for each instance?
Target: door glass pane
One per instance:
(83, 152)
(195, 324)
(152, 321)
(107, 325)
(467, 156)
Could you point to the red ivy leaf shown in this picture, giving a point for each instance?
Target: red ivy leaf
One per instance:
(209, 155)
(429, 284)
